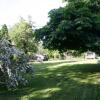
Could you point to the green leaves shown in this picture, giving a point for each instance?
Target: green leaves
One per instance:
(23, 36)
(4, 32)
(76, 26)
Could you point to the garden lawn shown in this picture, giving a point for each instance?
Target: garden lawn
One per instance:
(60, 81)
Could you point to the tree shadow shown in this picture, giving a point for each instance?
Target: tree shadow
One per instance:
(76, 82)
(73, 82)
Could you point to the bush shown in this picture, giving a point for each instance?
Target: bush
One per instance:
(13, 66)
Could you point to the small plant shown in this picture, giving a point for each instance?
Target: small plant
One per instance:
(14, 66)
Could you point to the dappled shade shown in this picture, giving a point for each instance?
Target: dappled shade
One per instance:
(61, 81)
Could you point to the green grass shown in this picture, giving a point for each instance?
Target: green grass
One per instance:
(60, 81)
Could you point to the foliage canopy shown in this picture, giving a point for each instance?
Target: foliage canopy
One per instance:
(23, 36)
(75, 26)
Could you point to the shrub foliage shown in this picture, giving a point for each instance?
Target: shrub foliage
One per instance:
(14, 66)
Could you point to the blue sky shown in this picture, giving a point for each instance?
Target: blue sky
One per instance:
(11, 10)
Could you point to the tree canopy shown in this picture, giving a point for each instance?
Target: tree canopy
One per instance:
(22, 34)
(75, 26)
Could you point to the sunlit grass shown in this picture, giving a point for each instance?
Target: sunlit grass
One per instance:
(44, 93)
(63, 80)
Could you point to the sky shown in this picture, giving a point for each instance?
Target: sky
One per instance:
(12, 10)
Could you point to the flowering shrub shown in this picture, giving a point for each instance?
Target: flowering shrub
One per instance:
(13, 66)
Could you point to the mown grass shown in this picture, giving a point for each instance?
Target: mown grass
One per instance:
(60, 81)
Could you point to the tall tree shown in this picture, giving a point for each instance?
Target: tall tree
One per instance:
(23, 36)
(76, 26)
(4, 32)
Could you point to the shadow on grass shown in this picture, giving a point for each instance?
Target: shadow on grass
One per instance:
(59, 81)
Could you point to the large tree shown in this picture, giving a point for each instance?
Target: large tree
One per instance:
(23, 36)
(75, 27)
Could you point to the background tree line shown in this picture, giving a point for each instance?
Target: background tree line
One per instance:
(22, 36)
